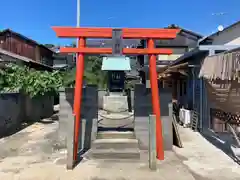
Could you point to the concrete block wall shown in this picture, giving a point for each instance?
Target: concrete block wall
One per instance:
(142, 110)
(38, 107)
(10, 112)
(143, 100)
(47, 106)
(89, 113)
(16, 108)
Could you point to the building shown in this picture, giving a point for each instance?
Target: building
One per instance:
(22, 46)
(196, 98)
(63, 61)
(185, 41)
(228, 36)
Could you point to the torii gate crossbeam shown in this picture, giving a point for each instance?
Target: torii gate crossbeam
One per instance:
(127, 33)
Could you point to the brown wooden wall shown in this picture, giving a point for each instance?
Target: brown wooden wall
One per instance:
(15, 44)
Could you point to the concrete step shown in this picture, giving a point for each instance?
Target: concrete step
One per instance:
(115, 144)
(115, 135)
(115, 154)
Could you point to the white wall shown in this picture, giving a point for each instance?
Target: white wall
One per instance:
(177, 52)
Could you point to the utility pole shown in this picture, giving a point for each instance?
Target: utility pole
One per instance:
(78, 13)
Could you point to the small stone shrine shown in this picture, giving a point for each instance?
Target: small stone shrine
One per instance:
(115, 136)
(115, 103)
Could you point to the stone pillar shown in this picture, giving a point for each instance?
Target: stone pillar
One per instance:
(167, 129)
(65, 116)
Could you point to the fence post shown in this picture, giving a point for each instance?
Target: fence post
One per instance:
(152, 143)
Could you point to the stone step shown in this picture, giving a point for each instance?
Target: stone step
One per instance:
(115, 144)
(115, 154)
(115, 135)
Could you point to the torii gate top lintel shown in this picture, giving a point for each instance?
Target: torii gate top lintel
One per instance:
(123, 33)
(127, 33)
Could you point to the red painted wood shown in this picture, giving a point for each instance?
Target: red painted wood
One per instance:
(146, 51)
(128, 33)
(87, 50)
(78, 95)
(155, 101)
(128, 51)
(73, 32)
(137, 33)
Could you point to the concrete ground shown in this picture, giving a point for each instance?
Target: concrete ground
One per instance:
(205, 160)
(33, 154)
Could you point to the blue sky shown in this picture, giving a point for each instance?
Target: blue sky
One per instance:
(34, 18)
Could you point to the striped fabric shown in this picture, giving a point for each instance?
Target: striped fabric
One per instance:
(224, 66)
(225, 95)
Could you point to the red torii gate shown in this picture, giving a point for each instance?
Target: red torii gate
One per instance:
(127, 33)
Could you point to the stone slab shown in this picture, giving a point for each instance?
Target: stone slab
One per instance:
(116, 103)
(116, 154)
(115, 134)
(115, 143)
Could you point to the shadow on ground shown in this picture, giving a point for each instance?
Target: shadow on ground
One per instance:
(15, 130)
(26, 124)
(220, 143)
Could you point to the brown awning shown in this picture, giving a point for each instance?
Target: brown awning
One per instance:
(179, 68)
(223, 66)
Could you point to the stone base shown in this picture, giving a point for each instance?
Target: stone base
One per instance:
(115, 103)
(116, 120)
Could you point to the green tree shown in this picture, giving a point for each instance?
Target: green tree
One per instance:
(92, 73)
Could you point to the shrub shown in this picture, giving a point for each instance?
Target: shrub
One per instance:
(39, 83)
(92, 73)
(14, 78)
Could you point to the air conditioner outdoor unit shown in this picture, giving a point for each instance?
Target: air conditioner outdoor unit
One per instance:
(185, 117)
